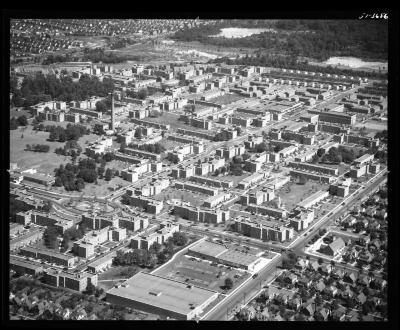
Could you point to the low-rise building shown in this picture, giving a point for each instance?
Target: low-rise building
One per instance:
(313, 199)
(74, 281)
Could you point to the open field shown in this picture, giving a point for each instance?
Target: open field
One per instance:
(186, 196)
(226, 99)
(201, 273)
(169, 119)
(235, 178)
(373, 126)
(16, 112)
(44, 161)
(172, 120)
(292, 193)
(169, 144)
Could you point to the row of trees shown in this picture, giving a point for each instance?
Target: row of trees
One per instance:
(20, 121)
(72, 234)
(73, 177)
(71, 148)
(316, 39)
(155, 148)
(157, 253)
(71, 132)
(38, 147)
(97, 55)
(294, 63)
(43, 88)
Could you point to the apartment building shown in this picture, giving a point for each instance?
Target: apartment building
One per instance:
(313, 176)
(253, 140)
(149, 189)
(314, 168)
(142, 153)
(148, 204)
(99, 147)
(197, 188)
(301, 219)
(74, 281)
(251, 180)
(340, 188)
(212, 182)
(31, 236)
(61, 259)
(335, 117)
(313, 199)
(21, 266)
(364, 159)
(258, 197)
(192, 213)
(266, 210)
(183, 172)
(262, 229)
(213, 201)
(166, 231)
(43, 179)
(277, 182)
(230, 152)
(209, 166)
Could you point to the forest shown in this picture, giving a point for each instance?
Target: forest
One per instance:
(318, 39)
(43, 88)
(292, 62)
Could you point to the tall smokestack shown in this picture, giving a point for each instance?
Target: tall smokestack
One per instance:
(112, 111)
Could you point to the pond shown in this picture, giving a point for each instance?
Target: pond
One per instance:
(354, 62)
(240, 32)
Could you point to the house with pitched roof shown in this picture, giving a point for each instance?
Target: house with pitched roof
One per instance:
(349, 278)
(308, 308)
(361, 298)
(333, 248)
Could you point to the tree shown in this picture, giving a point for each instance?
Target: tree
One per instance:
(13, 123)
(108, 175)
(228, 283)
(320, 152)
(302, 179)
(320, 261)
(90, 289)
(101, 107)
(142, 94)
(179, 238)
(155, 247)
(22, 120)
(50, 237)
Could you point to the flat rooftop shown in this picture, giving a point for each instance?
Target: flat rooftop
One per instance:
(314, 196)
(209, 248)
(49, 253)
(23, 263)
(163, 293)
(241, 258)
(102, 260)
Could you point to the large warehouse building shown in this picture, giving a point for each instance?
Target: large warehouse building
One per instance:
(162, 296)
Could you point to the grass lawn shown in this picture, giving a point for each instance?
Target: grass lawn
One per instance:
(44, 161)
(292, 193)
(186, 196)
(226, 99)
(103, 186)
(235, 178)
(169, 144)
(17, 113)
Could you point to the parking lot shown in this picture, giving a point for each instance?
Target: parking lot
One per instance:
(202, 273)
